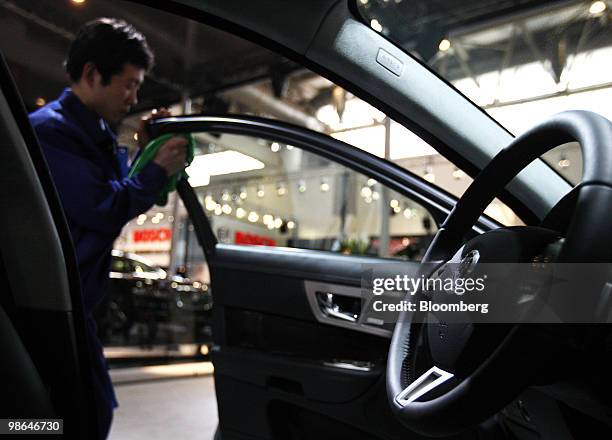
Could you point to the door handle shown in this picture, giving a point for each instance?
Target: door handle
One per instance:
(339, 307)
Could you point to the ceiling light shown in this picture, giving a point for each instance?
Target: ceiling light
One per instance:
(78, 2)
(408, 213)
(371, 182)
(289, 147)
(170, 219)
(270, 225)
(136, 136)
(290, 225)
(155, 220)
(375, 195)
(281, 190)
(253, 216)
(444, 45)
(275, 147)
(142, 218)
(302, 186)
(210, 204)
(227, 209)
(597, 7)
(243, 193)
(368, 200)
(218, 210)
(366, 191)
(225, 196)
(397, 209)
(394, 203)
(240, 212)
(40, 102)
(278, 222)
(268, 218)
(429, 175)
(324, 185)
(363, 2)
(564, 162)
(224, 162)
(375, 24)
(260, 191)
(458, 174)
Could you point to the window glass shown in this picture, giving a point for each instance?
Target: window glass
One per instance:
(566, 159)
(261, 192)
(364, 127)
(533, 64)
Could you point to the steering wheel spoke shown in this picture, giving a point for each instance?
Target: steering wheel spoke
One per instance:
(424, 385)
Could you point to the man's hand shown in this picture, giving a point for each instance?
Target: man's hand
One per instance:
(171, 155)
(143, 136)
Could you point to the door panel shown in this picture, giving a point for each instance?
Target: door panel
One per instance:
(273, 354)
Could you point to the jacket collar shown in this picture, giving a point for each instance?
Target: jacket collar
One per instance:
(93, 125)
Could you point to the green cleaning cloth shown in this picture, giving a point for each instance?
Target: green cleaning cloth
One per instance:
(148, 154)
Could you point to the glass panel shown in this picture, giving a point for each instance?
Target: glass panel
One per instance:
(262, 192)
(518, 62)
(364, 127)
(566, 159)
(521, 66)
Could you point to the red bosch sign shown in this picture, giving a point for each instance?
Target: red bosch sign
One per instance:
(148, 235)
(246, 238)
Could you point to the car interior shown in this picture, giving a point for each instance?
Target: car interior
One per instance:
(44, 371)
(293, 356)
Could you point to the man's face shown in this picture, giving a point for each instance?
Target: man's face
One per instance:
(114, 100)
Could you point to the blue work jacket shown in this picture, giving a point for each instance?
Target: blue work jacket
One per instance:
(90, 173)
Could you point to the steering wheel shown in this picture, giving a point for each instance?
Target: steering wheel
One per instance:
(468, 372)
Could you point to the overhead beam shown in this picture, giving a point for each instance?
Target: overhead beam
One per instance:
(253, 97)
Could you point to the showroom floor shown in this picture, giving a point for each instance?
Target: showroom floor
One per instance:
(174, 401)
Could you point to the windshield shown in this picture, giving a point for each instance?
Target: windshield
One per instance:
(520, 61)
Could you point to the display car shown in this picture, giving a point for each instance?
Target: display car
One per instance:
(293, 359)
(147, 307)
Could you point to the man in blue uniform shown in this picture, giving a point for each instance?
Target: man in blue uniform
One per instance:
(106, 63)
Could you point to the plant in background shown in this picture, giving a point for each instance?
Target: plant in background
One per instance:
(353, 246)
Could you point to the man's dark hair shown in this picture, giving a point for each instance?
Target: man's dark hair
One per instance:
(109, 44)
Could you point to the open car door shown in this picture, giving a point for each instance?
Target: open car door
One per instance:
(293, 357)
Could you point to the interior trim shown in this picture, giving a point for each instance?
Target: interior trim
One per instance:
(31, 248)
(313, 287)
